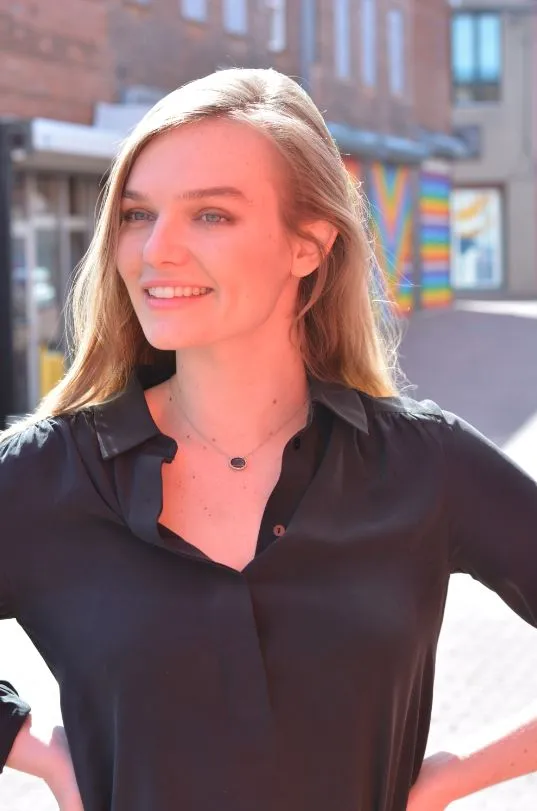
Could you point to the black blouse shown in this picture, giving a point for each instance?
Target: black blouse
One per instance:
(302, 683)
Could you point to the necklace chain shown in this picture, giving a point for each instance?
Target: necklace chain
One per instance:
(237, 462)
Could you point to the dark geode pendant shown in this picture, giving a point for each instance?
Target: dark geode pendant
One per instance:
(237, 463)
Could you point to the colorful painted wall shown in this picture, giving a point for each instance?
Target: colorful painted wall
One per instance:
(393, 221)
(435, 237)
(382, 296)
(390, 198)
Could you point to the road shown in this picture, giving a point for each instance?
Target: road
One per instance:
(478, 360)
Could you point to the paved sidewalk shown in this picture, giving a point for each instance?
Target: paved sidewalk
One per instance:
(478, 360)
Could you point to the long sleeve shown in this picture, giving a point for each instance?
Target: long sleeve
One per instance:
(492, 511)
(13, 712)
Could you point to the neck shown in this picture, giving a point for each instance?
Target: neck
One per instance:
(238, 395)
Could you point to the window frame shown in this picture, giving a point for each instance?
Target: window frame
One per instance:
(342, 13)
(228, 8)
(277, 41)
(479, 88)
(193, 16)
(369, 42)
(397, 79)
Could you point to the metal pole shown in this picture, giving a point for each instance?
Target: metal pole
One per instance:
(31, 305)
(7, 405)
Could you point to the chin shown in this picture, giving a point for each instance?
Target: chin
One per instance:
(176, 341)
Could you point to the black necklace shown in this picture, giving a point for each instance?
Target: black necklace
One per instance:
(239, 462)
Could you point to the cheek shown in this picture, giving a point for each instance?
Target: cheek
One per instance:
(129, 255)
(273, 259)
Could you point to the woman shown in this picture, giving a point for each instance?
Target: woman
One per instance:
(252, 624)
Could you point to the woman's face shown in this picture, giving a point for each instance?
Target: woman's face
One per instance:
(202, 249)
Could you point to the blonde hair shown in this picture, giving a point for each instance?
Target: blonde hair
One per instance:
(342, 334)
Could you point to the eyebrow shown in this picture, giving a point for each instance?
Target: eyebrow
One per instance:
(192, 194)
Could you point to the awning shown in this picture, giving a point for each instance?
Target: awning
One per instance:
(384, 147)
(60, 145)
(44, 143)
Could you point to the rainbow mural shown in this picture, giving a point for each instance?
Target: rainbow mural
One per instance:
(435, 238)
(382, 297)
(390, 198)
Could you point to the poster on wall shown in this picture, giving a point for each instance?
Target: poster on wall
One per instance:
(477, 249)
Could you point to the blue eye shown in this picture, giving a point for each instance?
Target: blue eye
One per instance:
(135, 215)
(213, 218)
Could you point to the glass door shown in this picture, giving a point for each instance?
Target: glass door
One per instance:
(52, 221)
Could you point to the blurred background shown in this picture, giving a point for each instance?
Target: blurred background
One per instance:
(433, 105)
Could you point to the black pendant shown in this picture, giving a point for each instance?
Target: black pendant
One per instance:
(237, 463)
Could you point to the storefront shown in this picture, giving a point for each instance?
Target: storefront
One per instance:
(56, 173)
(52, 222)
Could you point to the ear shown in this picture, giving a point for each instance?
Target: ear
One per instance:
(307, 258)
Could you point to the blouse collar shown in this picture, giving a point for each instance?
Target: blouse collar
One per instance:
(124, 421)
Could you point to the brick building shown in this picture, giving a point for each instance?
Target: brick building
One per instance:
(76, 75)
(55, 59)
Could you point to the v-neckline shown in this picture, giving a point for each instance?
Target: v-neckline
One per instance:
(181, 546)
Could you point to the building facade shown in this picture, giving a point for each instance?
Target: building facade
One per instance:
(494, 203)
(386, 96)
(70, 97)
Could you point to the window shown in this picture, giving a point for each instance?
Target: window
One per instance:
(396, 52)
(308, 35)
(368, 30)
(277, 37)
(476, 54)
(235, 16)
(342, 42)
(194, 10)
(477, 239)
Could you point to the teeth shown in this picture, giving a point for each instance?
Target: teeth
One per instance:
(177, 292)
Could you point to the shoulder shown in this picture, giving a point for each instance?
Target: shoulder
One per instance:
(426, 418)
(460, 442)
(35, 450)
(28, 439)
(404, 408)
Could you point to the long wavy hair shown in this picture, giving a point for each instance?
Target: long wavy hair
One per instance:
(341, 325)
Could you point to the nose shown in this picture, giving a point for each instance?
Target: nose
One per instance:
(165, 244)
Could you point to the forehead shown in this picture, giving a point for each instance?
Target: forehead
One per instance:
(216, 152)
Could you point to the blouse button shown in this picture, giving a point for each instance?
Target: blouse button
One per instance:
(278, 530)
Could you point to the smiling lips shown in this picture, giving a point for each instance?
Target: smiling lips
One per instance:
(177, 292)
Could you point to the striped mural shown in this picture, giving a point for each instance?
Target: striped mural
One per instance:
(390, 198)
(382, 298)
(435, 237)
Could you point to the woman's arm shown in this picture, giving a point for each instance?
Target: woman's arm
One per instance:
(491, 512)
(447, 777)
(26, 460)
(32, 753)
(505, 757)
(47, 757)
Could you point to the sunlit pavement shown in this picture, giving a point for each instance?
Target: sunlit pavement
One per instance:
(480, 361)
